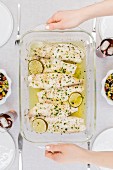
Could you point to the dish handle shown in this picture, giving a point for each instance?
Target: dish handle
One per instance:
(43, 27)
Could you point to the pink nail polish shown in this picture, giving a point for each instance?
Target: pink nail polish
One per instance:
(47, 148)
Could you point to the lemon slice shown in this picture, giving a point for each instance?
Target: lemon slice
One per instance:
(75, 99)
(39, 125)
(35, 67)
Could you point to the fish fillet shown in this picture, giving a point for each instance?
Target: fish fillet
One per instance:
(64, 124)
(55, 65)
(52, 80)
(68, 52)
(59, 94)
(52, 110)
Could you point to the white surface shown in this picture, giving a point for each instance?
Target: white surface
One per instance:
(106, 27)
(9, 91)
(7, 149)
(34, 13)
(109, 101)
(6, 24)
(104, 142)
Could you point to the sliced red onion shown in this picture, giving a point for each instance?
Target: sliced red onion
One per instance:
(4, 122)
(110, 51)
(105, 45)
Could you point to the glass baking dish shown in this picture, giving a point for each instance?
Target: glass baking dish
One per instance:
(57, 36)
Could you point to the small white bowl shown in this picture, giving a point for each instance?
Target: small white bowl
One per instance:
(9, 91)
(109, 101)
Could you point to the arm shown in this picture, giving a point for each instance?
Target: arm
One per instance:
(68, 153)
(104, 159)
(73, 18)
(104, 8)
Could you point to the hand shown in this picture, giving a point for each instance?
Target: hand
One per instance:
(66, 153)
(66, 19)
(73, 18)
(69, 153)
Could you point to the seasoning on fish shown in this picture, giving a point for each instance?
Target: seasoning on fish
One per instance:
(56, 65)
(53, 80)
(68, 52)
(58, 94)
(62, 51)
(64, 124)
(52, 110)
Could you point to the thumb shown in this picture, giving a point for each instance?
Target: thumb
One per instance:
(53, 148)
(53, 26)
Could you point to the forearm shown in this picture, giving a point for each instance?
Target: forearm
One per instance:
(104, 8)
(104, 159)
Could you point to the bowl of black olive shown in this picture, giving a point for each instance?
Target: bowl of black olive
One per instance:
(5, 86)
(107, 87)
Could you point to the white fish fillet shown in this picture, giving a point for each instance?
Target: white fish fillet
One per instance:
(40, 49)
(52, 110)
(65, 124)
(52, 80)
(59, 94)
(68, 52)
(55, 65)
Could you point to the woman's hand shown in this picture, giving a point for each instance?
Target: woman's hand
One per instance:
(69, 153)
(66, 153)
(73, 18)
(65, 19)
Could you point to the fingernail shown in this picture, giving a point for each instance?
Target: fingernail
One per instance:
(47, 27)
(48, 148)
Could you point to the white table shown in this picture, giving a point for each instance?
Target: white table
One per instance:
(35, 12)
